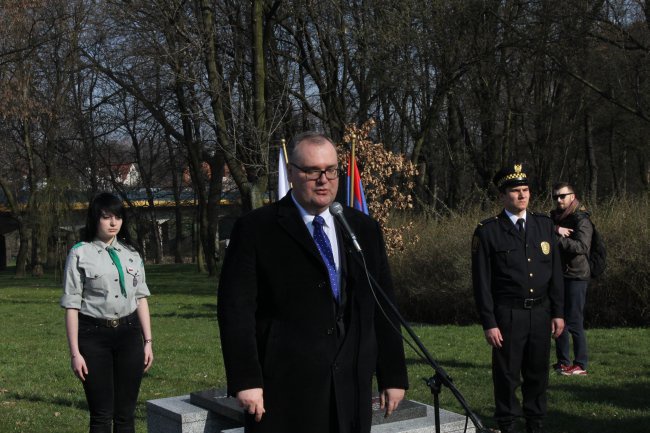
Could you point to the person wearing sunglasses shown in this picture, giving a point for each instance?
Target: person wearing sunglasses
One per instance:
(574, 231)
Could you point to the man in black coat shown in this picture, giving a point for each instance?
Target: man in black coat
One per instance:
(300, 331)
(518, 287)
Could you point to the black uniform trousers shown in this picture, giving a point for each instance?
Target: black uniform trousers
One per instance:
(524, 355)
(115, 361)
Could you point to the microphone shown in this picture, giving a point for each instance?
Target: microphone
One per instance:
(337, 210)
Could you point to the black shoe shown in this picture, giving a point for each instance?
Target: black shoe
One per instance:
(534, 426)
(510, 428)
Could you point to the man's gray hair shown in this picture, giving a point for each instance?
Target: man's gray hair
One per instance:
(311, 136)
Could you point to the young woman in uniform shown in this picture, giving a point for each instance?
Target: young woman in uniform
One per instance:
(107, 316)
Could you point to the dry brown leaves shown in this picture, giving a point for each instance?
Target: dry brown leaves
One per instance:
(388, 179)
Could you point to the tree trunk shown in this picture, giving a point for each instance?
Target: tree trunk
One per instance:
(32, 204)
(176, 188)
(251, 184)
(195, 159)
(214, 197)
(591, 161)
(178, 256)
(23, 248)
(3, 253)
(454, 150)
(37, 263)
(259, 70)
(145, 179)
(612, 158)
(200, 258)
(21, 259)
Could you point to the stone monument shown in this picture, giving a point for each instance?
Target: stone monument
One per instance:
(212, 411)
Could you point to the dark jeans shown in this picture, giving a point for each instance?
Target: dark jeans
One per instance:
(115, 361)
(575, 296)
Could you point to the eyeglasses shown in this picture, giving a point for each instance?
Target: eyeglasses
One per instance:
(561, 196)
(315, 174)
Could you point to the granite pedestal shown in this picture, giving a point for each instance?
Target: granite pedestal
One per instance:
(211, 411)
(178, 415)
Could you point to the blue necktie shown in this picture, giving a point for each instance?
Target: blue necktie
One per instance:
(325, 249)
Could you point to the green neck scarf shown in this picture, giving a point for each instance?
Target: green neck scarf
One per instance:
(113, 253)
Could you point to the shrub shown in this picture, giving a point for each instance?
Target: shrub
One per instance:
(433, 278)
(621, 296)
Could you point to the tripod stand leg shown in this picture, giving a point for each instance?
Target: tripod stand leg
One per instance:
(435, 385)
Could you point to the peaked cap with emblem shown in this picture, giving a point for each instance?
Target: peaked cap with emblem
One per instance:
(510, 175)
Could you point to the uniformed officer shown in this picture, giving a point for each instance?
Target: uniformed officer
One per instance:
(107, 317)
(517, 279)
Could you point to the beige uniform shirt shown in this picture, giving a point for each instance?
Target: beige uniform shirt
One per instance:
(91, 281)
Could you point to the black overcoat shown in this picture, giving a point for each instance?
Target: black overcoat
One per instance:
(278, 323)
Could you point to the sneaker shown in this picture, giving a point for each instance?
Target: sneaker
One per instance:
(560, 368)
(574, 370)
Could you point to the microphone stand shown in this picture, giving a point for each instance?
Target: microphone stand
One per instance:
(440, 377)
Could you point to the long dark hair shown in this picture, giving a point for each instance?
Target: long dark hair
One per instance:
(105, 202)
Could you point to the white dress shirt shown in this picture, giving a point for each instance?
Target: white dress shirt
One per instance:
(328, 228)
(514, 217)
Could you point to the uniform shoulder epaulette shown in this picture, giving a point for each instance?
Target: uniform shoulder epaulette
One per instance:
(488, 220)
(540, 214)
(77, 245)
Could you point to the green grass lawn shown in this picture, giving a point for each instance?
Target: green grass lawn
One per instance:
(38, 392)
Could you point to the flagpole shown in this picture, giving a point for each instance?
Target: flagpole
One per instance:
(351, 166)
(283, 171)
(286, 158)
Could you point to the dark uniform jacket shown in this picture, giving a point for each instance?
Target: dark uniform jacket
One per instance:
(505, 269)
(574, 250)
(281, 330)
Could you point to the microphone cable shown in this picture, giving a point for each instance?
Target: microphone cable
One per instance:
(419, 352)
(383, 312)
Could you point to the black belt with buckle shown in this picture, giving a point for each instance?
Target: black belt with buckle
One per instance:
(110, 323)
(525, 303)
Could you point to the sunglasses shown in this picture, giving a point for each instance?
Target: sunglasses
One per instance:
(561, 196)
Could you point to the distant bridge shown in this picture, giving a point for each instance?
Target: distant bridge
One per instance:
(163, 201)
(164, 204)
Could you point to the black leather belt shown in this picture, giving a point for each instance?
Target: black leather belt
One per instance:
(521, 303)
(110, 323)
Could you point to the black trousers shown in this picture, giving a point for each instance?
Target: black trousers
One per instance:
(115, 361)
(522, 360)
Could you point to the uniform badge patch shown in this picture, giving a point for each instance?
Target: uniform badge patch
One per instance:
(546, 248)
(475, 243)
